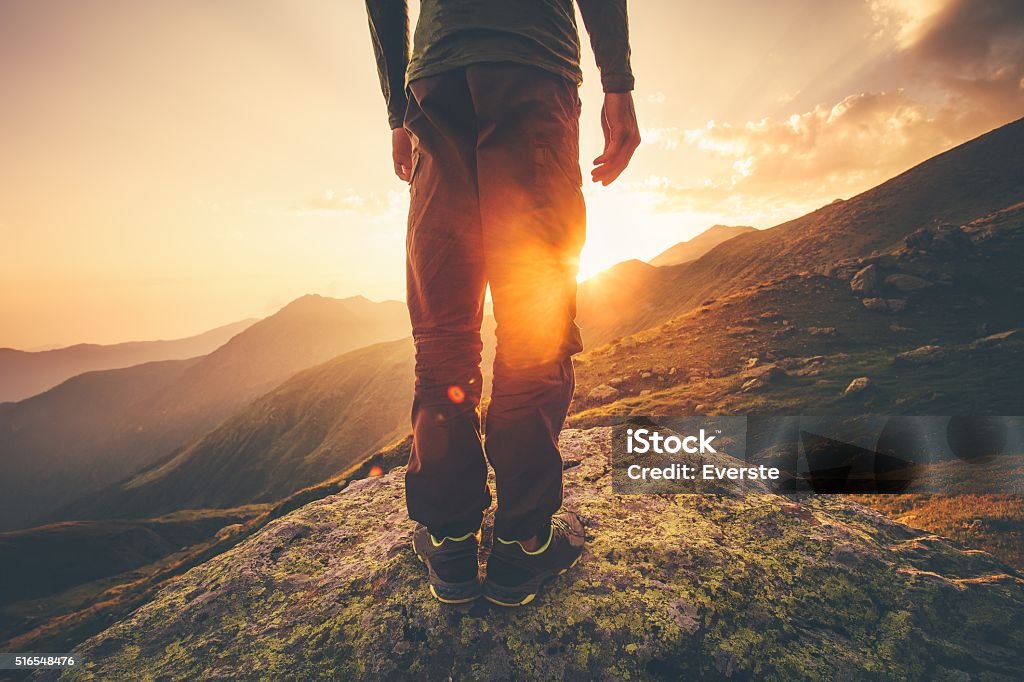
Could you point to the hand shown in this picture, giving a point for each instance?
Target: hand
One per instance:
(401, 153)
(621, 137)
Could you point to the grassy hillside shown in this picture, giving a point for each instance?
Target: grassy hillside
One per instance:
(964, 183)
(313, 426)
(794, 345)
(58, 441)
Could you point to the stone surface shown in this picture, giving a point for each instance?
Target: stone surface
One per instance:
(875, 304)
(858, 385)
(752, 585)
(761, 375)
(865, 281)
(924, 355)
(603, 393)
(906, 283)
(1010, 337)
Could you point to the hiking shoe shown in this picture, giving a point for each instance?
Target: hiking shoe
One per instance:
(514, 575)
(451, 563)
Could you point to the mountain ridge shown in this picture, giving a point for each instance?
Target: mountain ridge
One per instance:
(697, 246)
(29, 373)
(37, 433)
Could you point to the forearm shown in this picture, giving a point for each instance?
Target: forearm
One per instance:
(608, 26)
(389, 31)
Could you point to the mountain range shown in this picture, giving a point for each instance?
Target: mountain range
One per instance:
(99, 427)
(904, 299)
(27, 373)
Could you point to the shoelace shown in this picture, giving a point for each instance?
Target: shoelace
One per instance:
(559, 523)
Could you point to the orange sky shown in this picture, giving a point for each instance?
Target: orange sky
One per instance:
(173, 165)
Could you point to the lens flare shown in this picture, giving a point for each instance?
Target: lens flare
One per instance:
(456, 394)
(376, 471)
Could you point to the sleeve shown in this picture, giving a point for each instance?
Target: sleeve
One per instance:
(608, 26)
(389, 30)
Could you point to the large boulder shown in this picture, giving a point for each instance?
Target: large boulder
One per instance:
(865, 281)
(744, 585)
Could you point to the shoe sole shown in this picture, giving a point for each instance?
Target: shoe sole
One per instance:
(531, 596)
(454, 600)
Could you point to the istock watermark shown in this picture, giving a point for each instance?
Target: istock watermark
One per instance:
(852, 454)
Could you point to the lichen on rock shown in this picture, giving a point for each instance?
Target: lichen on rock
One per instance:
(748, 586)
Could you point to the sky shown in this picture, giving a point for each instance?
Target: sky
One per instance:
(169, 166)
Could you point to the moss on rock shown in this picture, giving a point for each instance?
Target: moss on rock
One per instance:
(747, 586)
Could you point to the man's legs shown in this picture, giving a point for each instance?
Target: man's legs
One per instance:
(532, 221)
(446, 482)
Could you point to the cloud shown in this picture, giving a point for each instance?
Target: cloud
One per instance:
(903, 19)
(973, 37)
(974, 49)
(968, 60)
(829, 151)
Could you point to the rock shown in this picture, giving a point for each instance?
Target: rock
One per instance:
(822, 331)
(919, 240)
(942, 238)
(858, 385)
(628, 343)
(646, 374)
(950, 238)
(672, 371)
(906, 283)
(875, 304)
(898, 328)
(616, 382)
(740, 331)
(924, 355)
(603, 393)
(844, 269)
(750, 586)
(761, 376)
(1011, 337)
(896, 305)
(865, 281)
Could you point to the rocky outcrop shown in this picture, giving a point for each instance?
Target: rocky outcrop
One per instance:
(865, 281)
(943, 238)
(924, 355)
(859, 385)
(741, 585)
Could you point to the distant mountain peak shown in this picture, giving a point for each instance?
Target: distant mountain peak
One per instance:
(697, 246)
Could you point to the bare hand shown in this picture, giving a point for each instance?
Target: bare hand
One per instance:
(621, 137)
(401, 153)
